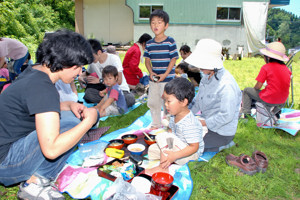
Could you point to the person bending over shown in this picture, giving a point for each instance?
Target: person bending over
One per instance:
(37, 132)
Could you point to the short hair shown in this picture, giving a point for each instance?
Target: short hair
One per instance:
(184, 66)
(64, 49)
(144, 38)
(96, 45)
(110, 70)
(181, 88)
(185, 48)
(161, 14)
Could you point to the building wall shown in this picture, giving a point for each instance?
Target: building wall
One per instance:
(109, 21)
(191, 34)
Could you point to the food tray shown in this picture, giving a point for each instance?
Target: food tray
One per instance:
(113, 178)
(172, 191)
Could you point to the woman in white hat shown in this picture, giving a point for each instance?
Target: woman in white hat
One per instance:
(277, 76)
(218, 98)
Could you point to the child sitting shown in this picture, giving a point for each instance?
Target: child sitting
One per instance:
(4, 76)
(185, 143)
(182, 69)
(113, 102)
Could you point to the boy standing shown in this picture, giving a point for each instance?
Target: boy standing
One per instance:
(185, 143)
(160, 57)
(113, 102)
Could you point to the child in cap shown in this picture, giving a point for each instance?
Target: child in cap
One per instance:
(277, 76)
(160, 57)
(185, 143)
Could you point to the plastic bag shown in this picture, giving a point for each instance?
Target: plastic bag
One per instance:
(122, 190)
(92, 153)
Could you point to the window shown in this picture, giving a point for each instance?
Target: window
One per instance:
(230, 14)
(146, 10)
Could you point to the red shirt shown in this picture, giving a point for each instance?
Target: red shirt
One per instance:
(131, 62)
(278, 78)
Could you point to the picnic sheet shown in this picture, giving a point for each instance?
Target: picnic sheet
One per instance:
(289, 121)
(89, 105)
(81, 182)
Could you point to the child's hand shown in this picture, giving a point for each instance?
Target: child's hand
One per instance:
(166, 161)
(102, 93)
(162, 77)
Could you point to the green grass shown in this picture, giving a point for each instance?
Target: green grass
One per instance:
(217, 180)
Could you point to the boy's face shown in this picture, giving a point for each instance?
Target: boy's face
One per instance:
(110, 80)
(173, 105)
(69, 74)
(184, 55)
(158, 25)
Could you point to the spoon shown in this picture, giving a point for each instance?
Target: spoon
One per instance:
(147, 136)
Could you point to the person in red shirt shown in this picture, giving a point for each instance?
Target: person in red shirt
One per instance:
(132, 59)
(275, 73)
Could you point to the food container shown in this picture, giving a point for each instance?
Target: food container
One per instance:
(136, 148)
(117, 144)
(147, 141)
(129, 138)
(161, 182)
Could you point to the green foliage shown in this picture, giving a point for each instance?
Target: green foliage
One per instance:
(285, 25)
(28, 20)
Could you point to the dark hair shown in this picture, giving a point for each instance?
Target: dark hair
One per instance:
(109, 70)
(184, 67)
(274, 60)
(185, 49)
(161, 14)
(144, 38)
(96, 45)
(64, 49)
(181, 88)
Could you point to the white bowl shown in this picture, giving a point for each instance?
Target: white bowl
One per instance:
(141, 184)
(136, 148)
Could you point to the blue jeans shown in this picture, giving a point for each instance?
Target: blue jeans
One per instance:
(17, 67)
(25, 157)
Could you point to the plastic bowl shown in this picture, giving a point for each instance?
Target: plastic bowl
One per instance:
(129, 138)
(162, 181)
(136, 148)
(117, 144)
(146, 139)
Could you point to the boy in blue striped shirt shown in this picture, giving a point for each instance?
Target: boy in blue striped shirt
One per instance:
(185, 143)
(160, 57)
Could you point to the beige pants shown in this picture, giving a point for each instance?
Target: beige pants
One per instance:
(155, 102)
(169, 141)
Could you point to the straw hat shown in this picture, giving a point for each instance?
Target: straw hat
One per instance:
(207, 55)
(275, 50)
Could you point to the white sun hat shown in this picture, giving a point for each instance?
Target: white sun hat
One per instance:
(275, 50)
(207, 55)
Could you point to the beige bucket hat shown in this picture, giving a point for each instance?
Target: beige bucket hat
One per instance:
(207, 55)
(275, 50)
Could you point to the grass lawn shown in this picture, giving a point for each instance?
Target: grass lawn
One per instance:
(217, 180)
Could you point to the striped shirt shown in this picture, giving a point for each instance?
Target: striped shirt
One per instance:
(161, 53)
(188, 130)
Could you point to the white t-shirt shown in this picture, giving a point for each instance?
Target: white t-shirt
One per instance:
(12, 48)
(110, 60)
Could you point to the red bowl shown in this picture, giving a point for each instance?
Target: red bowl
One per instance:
(129, 138)
(146, 139)
(162, 181)
(117, 144)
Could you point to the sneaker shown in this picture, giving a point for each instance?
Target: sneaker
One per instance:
(261, 161)
(39, 191)
(244, 162)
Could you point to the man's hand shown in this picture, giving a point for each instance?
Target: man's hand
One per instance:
(92, 80)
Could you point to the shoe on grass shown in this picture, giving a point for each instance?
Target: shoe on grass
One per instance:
(244, 162)
(42, 190)
(261, 161)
